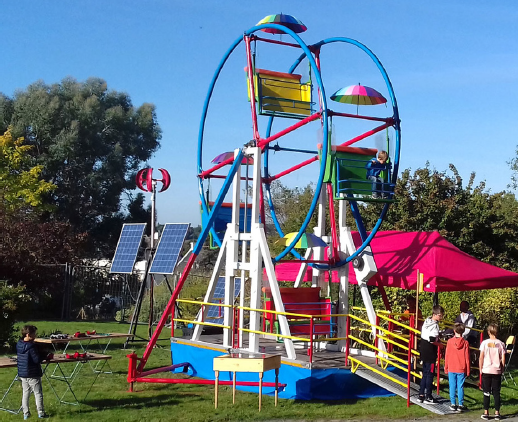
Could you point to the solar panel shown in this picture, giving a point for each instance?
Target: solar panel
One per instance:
(127, 248)
(215, 313)
(169, 247)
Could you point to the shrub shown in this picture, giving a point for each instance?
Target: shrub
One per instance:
(11, 298)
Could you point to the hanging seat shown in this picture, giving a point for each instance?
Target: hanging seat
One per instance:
(281, 94)
(346, 169)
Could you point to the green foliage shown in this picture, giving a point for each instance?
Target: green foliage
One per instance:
(11, 299)
(21, 186)
(89, 140)
(480, 223)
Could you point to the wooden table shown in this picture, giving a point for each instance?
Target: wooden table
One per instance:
(58, 360)
(247, 362)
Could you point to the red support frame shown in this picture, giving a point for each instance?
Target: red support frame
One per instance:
(169, 308)
(367, 134)
(291, 169)
(310, 350)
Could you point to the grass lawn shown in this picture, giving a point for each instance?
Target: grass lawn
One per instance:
(109, 399)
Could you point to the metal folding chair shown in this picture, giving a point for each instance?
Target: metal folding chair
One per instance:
(509, 344)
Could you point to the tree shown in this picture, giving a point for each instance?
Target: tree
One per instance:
(25, 241)
(482, 224)
(20, 182)
(89, 140)
(479, 223)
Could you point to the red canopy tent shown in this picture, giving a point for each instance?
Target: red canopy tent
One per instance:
(445, 268)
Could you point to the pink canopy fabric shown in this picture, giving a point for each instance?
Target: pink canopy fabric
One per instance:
(445, 268)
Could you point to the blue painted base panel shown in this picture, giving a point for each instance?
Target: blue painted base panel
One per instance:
(302, 383)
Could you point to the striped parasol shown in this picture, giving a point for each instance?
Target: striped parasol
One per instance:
(359, 95)
(308, 240)
(288, 21)
(227, 155)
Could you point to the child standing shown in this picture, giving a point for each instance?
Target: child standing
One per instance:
(374, 169)
(29, 371)
(428, 349)
(491, 363)
(457, 366)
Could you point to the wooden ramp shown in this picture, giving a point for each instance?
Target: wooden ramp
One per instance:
(442, 407)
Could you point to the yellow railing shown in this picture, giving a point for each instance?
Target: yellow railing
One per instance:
(385, 334)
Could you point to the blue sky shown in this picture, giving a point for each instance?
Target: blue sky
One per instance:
(453, 66)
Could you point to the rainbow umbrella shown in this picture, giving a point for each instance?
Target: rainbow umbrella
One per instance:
(226, 155)
(359, 95)
(308, 240)
(288, 21)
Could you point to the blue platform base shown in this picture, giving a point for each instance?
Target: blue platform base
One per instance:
(302, 383)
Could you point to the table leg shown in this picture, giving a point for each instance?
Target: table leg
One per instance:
(234, 388)
(103, 352)
(276, 386)
(13, 411)
(69, 384)
(97, 373)
(216, 390)
(260, 389)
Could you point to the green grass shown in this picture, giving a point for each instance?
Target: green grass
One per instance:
(109, 399)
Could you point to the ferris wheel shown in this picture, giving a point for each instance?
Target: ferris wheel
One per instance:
(340, 170)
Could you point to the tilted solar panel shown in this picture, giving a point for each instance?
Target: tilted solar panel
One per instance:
(127, 248)
(215, 313)
(169, 247)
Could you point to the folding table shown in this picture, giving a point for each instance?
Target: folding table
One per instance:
(58, 361)
(85, 343)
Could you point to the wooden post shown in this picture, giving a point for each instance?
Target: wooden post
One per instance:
(276, 386)
(216, 389)
(234, 388)
(409, 365)
(260, 389)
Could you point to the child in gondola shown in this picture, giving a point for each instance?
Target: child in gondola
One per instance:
(374, 169)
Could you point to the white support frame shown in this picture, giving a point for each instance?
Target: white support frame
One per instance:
(259, 254)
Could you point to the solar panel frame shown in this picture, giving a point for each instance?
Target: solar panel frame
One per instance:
(127, 248)
(215, 313)
(169, 248)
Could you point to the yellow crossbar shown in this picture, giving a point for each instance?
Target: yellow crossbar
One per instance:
(395, 343)
(379, 328)
(196, 302)
(377, 349)
(397, 365)
(276, 335)
(406, 327)
(202, 323)
(359, 362)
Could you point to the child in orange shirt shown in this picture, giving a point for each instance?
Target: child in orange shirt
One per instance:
(457, 366)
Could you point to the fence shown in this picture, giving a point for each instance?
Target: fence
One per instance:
(68, 292)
